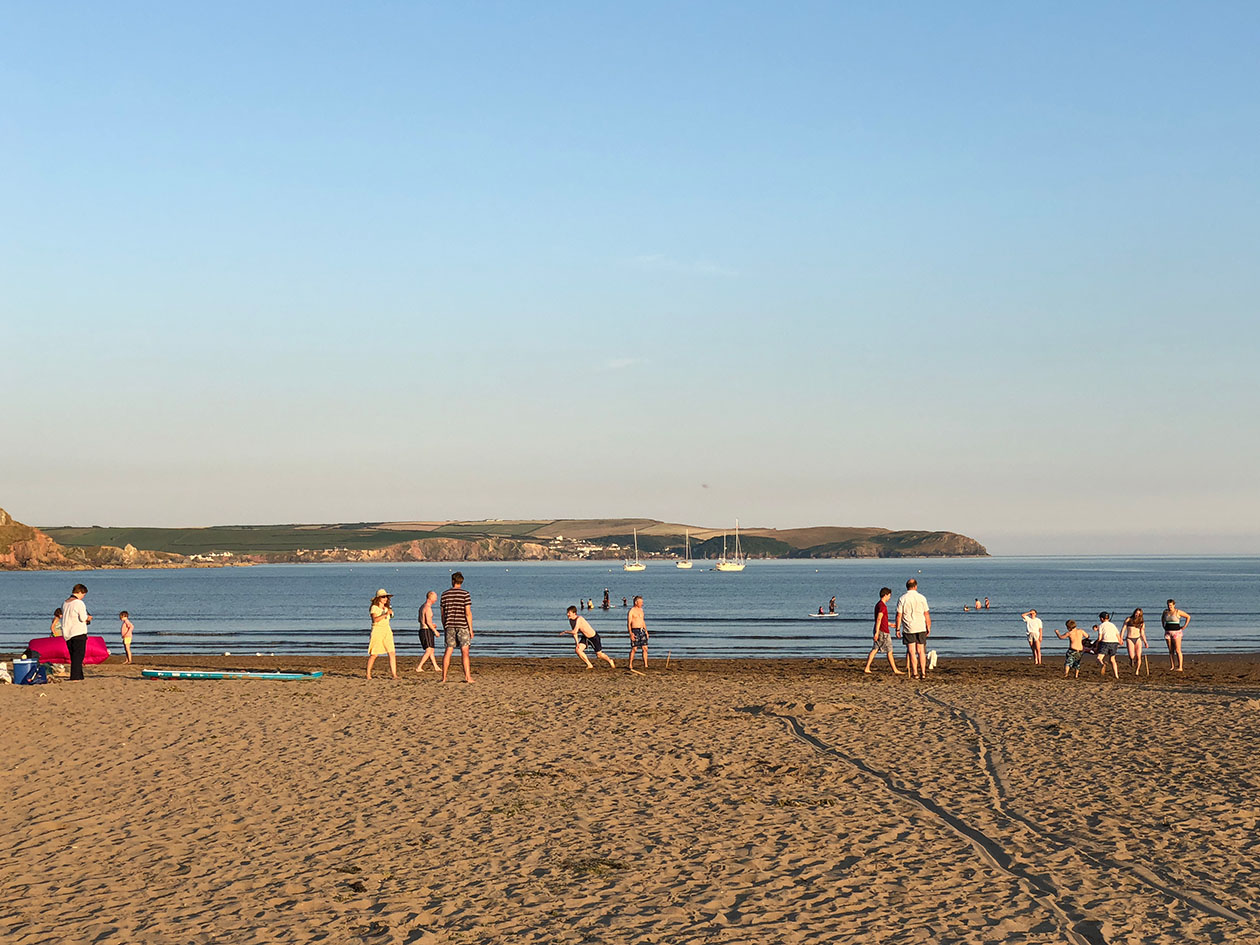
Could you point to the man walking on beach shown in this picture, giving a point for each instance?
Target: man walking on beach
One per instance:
(457, 622)
(637, 627)
(428, 632)
(914, 623)
(883, 639)
(74, 628)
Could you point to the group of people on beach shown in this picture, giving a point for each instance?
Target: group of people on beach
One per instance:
(914, 624)
(70, 622)
(585, 637)
(455, 607)
(1106, 645)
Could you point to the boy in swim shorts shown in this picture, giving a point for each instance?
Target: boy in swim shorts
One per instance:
(1076, 648)
(584, 637)
(126, 629)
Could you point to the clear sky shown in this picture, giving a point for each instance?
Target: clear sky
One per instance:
(985, 267)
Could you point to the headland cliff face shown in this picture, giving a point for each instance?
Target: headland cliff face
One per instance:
(421, 549)
(24, 547)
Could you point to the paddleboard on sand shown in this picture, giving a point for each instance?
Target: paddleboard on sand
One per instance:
(225, 674)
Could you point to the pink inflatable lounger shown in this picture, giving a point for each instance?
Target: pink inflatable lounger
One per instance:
(53, 650)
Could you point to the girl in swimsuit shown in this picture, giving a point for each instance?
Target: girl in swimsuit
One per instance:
(1135, 638)
(1171, 619)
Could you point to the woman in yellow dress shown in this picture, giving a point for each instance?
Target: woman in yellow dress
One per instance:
(382, 636)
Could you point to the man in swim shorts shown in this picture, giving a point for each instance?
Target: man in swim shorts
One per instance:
(883, 639)
(456, 607)
(637, 628)
(1173, 627)
(428, 632)
(914, 623)
(1076, 648)
(585, 637)
(1108, 643)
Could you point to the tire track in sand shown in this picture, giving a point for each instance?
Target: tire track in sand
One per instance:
(1074, 926)
(997, 789)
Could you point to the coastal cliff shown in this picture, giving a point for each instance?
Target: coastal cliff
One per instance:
(26, 548)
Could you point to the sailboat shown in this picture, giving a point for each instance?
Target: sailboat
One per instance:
(685, 562)
(636, 564)
(735, 563)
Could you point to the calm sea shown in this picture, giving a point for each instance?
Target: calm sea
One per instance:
(518, 609)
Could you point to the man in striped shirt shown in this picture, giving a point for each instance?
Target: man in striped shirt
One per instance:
(457, 623)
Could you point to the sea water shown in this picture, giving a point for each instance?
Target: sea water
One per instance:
(763, 611)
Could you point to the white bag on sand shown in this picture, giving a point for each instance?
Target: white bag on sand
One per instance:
(932, 659)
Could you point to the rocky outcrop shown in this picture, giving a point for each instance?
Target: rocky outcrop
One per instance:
(23, 547)
(905, 544)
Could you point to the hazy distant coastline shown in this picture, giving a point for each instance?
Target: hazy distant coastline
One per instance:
(490, 540)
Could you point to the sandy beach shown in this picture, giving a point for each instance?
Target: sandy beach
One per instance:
(723, 801)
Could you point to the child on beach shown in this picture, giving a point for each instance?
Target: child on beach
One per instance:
(55, 629)
(428, 632)
(1033, 625)
(1076, 648)
(882, 642)
(126, 628)
(584, 636)
(1135, 639)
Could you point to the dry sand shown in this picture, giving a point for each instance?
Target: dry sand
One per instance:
(710, 802)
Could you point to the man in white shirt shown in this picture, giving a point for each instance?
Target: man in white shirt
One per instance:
(1034, 625)
(74, 627)
(914, 623)
(1108, 643)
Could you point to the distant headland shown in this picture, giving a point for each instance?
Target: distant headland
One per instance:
(72, 547)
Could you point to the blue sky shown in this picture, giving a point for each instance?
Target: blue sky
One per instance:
(981, 267)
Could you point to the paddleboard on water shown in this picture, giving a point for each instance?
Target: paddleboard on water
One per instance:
(824, 615)
(226, 674)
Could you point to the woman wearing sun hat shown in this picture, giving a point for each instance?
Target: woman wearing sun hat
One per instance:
(382, 636)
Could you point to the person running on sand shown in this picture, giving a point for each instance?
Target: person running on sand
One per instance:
(54, 629)
(457, 623)
(912, 611)
(883, 639)
(1076, 648)
(428, 632)
(637, 627)
(584, 636)
(1134, 637)
(1173, 627)
(1108, 643)
(126, 629)
(1034, 626)
(382, 640)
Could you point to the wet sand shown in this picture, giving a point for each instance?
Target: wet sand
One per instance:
(713, 801)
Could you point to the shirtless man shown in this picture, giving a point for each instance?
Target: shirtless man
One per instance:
(428, 632)
(1076, 648)
(584, 636)
(831, 606)
(638, 631)
(1171, 620)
